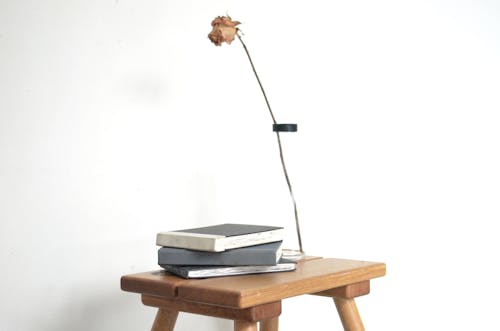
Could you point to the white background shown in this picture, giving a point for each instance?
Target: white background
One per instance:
(119, 119)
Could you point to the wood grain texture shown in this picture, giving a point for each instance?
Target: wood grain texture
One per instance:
(349, 315)
(165, 320)
(309, 258)
(251, 314)
(348, 291)
(270, 324)
(153, 282)
(250, 290)
(245, 326)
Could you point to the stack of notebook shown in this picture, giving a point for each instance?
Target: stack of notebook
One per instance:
(222, 250)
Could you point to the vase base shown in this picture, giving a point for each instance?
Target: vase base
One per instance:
(293, 254)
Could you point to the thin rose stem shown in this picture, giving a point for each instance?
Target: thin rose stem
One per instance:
(279, 145)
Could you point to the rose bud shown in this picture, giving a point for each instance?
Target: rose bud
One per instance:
(223, 30)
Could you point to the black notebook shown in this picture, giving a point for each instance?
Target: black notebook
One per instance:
(218, 238)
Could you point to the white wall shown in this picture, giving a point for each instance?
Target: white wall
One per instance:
(119, 119)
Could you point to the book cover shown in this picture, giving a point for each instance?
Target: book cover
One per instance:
(218, 238)
(265, 254)
(221, 271)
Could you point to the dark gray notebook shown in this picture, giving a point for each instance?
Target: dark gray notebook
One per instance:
(266, 254)
(220, 271)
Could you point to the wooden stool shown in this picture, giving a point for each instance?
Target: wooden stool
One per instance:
(253, 299)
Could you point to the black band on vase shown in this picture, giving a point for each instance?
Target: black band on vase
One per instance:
(285, 127)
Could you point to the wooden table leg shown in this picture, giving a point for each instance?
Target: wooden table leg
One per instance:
(245, 326)
(349, 314)
(165, 320)
(270, 324)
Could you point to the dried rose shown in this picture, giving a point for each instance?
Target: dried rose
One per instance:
(223, 30)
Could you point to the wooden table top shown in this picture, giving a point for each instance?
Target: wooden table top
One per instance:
(244, 291)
